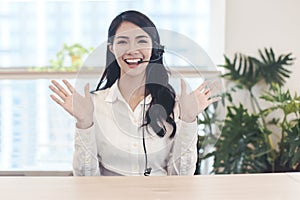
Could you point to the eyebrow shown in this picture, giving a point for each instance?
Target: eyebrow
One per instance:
(141, 36)
(122, 37)
(137, 37)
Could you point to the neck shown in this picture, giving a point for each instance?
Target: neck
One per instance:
(132, 88)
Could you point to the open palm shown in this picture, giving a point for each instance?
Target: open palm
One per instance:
(80, 107)
(192, 104)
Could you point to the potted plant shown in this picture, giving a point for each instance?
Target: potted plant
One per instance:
(246, 144)
(74, 53)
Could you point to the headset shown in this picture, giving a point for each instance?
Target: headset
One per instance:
(159, 51)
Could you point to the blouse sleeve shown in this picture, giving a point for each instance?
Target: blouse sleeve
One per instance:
(85, 161)
(183, 156)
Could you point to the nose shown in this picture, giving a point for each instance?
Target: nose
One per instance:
(132, 48)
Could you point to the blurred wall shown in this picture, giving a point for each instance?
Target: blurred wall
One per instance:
(254, 24)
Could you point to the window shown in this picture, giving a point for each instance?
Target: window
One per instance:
(36, 134)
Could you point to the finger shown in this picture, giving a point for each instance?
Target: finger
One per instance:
(215, 86)
(58, 92)
(62, 104)
(60, 88)
(214, 99)
(183, 88)
(56, 100)
(203, 97)
(70, 87)
(87, 90)
(202, 86)
(208, 94)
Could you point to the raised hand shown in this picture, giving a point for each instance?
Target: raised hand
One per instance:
(192, 104)
(80, 107)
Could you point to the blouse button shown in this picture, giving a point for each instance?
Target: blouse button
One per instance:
(88, 160)
(135, 121)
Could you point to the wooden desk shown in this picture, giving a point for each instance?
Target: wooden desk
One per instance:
(214, 187)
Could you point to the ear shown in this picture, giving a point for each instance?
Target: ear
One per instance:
(110, 47)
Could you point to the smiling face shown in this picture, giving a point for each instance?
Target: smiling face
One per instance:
(131, 45)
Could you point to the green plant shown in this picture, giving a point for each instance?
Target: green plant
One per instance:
(209, 136)
(75, 53)
(288, 154)
(245, 144)
(68, 58)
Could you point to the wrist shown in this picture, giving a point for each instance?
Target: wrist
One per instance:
(184, 116)
(187, 119)
(84, 124)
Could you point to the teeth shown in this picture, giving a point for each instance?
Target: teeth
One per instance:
(133, 60)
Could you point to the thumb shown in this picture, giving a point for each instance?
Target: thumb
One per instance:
(183, 87)
(87, 90)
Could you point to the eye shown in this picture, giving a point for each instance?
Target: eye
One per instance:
(121, 42)
(143, 41)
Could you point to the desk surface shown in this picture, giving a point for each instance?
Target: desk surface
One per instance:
(234, 187)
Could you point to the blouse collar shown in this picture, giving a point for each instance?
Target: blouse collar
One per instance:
(114, 94)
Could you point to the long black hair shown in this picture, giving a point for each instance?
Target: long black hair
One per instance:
(161, 107)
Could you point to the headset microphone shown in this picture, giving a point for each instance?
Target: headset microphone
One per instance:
(160, 55)
(150, 61)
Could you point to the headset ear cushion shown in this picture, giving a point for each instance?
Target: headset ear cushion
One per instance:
(160, 50)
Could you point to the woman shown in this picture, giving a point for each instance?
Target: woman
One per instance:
(133, 123)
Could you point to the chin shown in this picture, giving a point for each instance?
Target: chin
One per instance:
(136, 71)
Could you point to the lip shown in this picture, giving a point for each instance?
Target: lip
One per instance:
(132, 66)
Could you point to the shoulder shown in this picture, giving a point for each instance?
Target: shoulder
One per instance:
(100, 94)
(109, 94)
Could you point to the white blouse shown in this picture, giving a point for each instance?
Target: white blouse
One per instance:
(114, 144)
